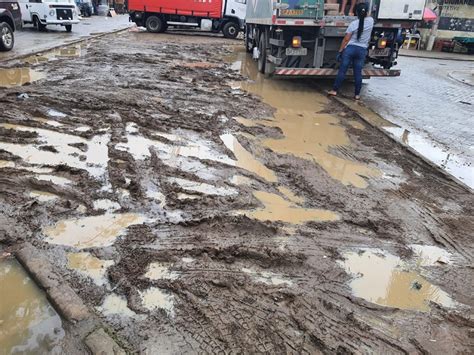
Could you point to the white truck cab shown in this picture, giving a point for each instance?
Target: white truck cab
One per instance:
(42, 13)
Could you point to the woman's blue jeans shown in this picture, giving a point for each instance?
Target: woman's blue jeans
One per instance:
(354, 55)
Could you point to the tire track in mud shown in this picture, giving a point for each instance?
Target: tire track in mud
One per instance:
(242, 284)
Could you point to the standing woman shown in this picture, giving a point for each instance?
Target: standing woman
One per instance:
(354, 49)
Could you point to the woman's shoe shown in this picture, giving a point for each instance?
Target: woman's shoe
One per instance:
(332, 93)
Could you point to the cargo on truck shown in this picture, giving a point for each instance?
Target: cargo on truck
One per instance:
(226, 16)
(302, 37)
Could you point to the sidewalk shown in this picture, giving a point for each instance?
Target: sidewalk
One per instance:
(436, 55)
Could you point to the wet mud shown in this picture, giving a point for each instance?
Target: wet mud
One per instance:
(196, 206)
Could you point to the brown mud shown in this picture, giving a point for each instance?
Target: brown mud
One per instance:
(196, 206)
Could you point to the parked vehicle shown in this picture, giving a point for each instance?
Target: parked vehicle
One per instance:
(299, 38)
(10, 20)
(85, 7)
(217, 15)
(42, 13)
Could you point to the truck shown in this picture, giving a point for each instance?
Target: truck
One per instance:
(213, 15)
(301, 38)
(10, 21)
(42, 13)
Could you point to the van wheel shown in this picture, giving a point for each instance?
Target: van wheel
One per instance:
(155, 24)
(231, 30)
(68, 28)
(38, 25)
(262, 58)
(7, 40)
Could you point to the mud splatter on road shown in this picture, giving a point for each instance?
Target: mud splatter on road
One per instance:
(202, 209)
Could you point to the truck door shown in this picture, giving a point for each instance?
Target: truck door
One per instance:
(25, 12)
(236, 8)
(401, 9)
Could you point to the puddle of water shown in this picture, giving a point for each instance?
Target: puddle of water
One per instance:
(187, 260)
(183, 196)
(82, 129)
(6, 164)
(106, 205)
(290, 196)
(28, 323)
(114, 304)
(159, 271)
(65, 52)
(96, 156)
(267, 277)
(240, 180)
(54, 113)
(428, 255)
(57, 180)
(89, 266)
(384, 279)
(443, 158)
(246, 160)
(278, 209)
(18, 77)
(155, 298)
(203, 188)
(43, 196)
(90, 232)
(307, 134)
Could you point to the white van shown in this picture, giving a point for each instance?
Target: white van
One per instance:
(42, 13)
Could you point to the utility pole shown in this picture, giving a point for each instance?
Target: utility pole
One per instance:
(434, 28)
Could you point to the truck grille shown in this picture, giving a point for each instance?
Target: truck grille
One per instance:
(64, 14)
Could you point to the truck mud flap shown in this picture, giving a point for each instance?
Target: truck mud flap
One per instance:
(366, 73)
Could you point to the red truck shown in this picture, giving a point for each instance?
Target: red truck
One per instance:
(227, 16)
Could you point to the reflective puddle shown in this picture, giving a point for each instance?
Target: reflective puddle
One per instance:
(246, 160)
(155, 298)
(75, 51)
(18, 77)
(307, 133)
(157, 271)
(107, 205)
(43, 196)
(89, 266)
(115, 304)
(278, 209)
(94, 161)
(203, 188)
(28, 323)
(386, 280)
(267, 277)
(90, 232)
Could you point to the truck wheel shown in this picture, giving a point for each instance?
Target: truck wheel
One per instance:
(231, 30)
(248, 40)
(262, 58)
(6, 37)
(68, 28)
(155, 24)
(38, 25)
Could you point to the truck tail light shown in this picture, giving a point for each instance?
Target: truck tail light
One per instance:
(382, 43)
(296, 42)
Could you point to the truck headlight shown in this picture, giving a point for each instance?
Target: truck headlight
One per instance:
(51, 13)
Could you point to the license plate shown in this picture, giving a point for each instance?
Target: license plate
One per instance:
(379, 52)
(296, 51)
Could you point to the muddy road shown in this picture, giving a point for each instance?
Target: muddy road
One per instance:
(196, 206)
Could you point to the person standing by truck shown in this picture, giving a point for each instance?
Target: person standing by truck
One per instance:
(353, 49)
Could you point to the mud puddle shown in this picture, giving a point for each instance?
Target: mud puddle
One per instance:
(386, 280)
(18, 77)
(89, 266)
(74, 51)
(28, 323)
(90, 232)
(307, 133)
(203, 188)
(115, 305)
(43, 196)
(155, 298)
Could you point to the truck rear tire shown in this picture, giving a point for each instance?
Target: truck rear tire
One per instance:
(154, 24)
(231, 30)
(38, 25)
(7, 40)
(262, 58)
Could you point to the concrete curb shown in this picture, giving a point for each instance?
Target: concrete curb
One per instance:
(80, 40)
(406, 147)
(457, 59)
(452, 76)
(64, 299)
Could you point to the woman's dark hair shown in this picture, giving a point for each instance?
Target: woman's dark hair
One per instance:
(362, 10)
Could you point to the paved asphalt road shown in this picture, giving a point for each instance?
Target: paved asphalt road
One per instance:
(29, 40)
